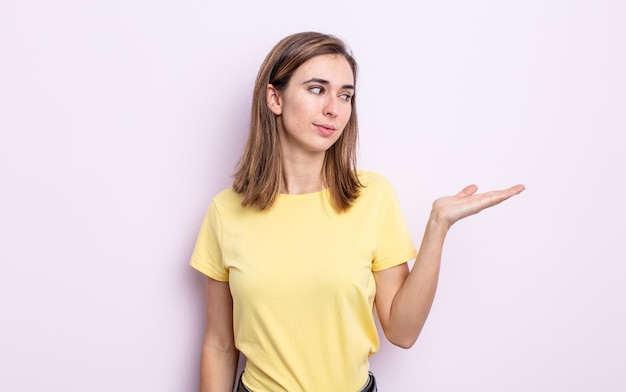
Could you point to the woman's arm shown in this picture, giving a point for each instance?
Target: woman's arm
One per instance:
(218, 364)
(403, 298)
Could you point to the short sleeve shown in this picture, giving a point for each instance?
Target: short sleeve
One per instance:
(207, 254)
(395, 244)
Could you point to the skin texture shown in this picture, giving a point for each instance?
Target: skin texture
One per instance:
(311, 113)
(218, 363)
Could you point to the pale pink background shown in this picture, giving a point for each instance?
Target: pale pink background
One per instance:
(119, 120)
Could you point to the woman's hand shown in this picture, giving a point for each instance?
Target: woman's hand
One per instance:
(450, 209)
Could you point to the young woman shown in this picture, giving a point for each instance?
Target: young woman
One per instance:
(297, 252)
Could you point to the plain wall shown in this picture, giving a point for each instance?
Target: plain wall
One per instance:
(119, 120)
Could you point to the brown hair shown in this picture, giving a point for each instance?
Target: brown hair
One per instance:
(259, 172)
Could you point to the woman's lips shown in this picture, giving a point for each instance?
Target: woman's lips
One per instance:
(325, 129)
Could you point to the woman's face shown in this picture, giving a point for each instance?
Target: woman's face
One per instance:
(314, 108)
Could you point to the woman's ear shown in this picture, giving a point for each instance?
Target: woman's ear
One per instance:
(274, 102)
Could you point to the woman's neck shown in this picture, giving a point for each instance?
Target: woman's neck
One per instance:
(302, 176)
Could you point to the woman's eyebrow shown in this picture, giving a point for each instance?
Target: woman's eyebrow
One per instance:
(325, 82)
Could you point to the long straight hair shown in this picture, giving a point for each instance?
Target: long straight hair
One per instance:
(258, 175)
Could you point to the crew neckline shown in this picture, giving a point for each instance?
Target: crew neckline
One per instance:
(302, 195)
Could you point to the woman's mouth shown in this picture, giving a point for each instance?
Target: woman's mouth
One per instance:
(325, 129)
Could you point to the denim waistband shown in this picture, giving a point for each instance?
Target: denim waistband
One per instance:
(370, 385)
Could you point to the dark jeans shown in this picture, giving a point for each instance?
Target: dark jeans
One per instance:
(370, 386)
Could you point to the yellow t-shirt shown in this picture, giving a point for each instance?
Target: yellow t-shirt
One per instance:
(301, 279)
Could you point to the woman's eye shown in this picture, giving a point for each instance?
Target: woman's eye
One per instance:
(346, 97)
(316, 90)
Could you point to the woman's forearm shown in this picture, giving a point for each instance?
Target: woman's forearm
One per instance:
(218, 368)
(218, 363)
(414, 299)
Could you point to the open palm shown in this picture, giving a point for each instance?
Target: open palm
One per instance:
(450, 209)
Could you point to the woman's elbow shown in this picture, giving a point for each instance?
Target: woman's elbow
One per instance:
(403, 341)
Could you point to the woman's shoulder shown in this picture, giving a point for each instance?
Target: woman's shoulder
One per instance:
(374, 180)
(375, 186)
(227, 199)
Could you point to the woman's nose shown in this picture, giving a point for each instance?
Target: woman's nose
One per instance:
(330, 107)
